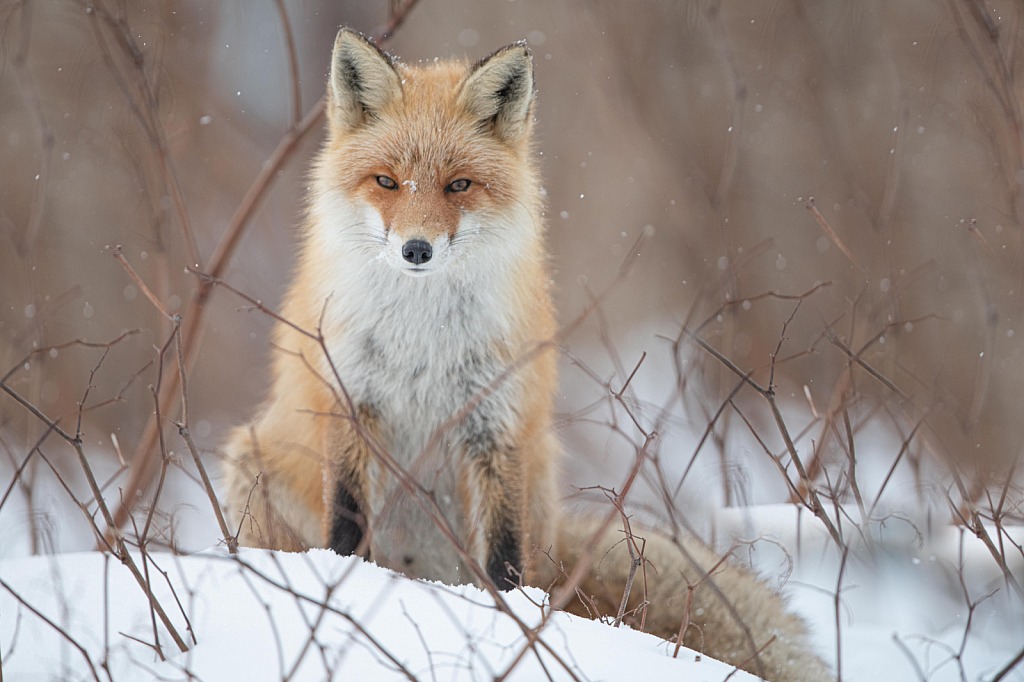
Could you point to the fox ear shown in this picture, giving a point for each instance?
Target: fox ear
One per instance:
(363, 80)
(499, 90)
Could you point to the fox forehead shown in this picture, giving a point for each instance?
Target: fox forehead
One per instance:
(426, 138)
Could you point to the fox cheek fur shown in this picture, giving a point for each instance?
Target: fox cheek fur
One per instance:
(423, 266)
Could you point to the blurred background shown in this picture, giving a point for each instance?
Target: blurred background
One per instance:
(707, 126)
(680, 143)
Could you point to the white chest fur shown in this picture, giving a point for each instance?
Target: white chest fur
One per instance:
(415, 351)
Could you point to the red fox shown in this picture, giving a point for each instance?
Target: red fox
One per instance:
(415, 430)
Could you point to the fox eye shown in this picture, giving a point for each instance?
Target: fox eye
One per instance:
(460, 185)
(386, 182)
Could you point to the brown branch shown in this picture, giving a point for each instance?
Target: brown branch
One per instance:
(813, 503)
(183, 430)
(141, 473)
(141, 284)
(21, 467)
(831, 233)
(756, 654)
(68, 344)
(397, 17)
(293, 62)
(834, 340)
(899, 455)
(837, 601)
(690, 590)
(1009, 666)
(26, 245)
(148, 113)
(117, 540)
(230, 540)
(977, 526)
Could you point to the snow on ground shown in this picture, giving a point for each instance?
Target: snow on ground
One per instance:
(908, 589)
(906, 585)
(436, 632)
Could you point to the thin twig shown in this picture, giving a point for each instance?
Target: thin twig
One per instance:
(293, 62)
(830, 232)
(59, 629)
(1008, 667)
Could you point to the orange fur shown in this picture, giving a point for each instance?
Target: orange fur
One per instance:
(423, 139)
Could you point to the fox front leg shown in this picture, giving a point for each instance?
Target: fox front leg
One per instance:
(348, 449)
(493, 483)
(505, 558)
(346, 523)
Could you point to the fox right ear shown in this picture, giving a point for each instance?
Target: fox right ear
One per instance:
(363, 80)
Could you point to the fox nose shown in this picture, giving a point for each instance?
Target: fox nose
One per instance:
(417, 251)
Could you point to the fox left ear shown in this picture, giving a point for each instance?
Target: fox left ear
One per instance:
(499, 89)
(363, 80)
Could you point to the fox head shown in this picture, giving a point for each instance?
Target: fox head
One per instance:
(428, 164)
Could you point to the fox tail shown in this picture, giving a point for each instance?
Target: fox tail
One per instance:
(733, 616)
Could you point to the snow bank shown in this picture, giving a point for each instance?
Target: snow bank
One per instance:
(906, 586)
(250, 626)
(253, 616)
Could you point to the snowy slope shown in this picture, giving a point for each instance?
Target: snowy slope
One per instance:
(434, 631)
(906, 586)
(901, 600)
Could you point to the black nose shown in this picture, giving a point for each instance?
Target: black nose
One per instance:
(416, 251)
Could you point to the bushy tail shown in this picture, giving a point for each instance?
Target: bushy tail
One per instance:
(733, 615)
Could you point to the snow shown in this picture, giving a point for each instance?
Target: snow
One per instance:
(905, 586)
(908, 588)
(435, 631)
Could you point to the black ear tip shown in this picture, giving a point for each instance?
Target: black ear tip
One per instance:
(522, 46)
(349, 31)
(519, 46)
(350, 34)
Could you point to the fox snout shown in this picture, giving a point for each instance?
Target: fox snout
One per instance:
(417, 251)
